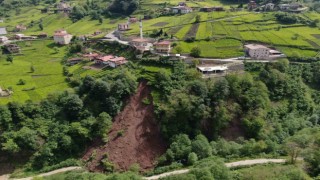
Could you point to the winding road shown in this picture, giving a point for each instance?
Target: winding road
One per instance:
(176, 172)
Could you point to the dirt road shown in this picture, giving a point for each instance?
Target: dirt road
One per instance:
(181, 171)
(232, 164)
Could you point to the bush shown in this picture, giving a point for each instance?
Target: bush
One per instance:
(195, 52)
(21, 82)
(192, 158)
(190, 39)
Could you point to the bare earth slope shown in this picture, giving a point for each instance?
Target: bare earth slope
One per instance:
(140, 142)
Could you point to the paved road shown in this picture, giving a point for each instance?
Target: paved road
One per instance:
(232, 164)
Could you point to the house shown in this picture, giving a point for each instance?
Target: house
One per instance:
(163, 46)
(293, 7)
(206, 9)
(141, 44)
(181, 10)
(110, 60)
(252, 5)
(218, 8)
(97, 32)
(42, 35)
(23, 37)
(269, 7)
(182, 4)
(3, 39)
(117, 61)
(123, 27)
(12, 48)
(62, 37)
(63, 7)
(91, 56)
(257, 51)
(207, 70)
(20, 28)
(73, 61)
(133, 20)
(103, 59)
(3, 31)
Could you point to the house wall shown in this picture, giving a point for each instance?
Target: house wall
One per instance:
(258, 53)
(62, 39)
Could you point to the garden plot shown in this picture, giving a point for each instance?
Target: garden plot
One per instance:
(160, 24)
(192, 31)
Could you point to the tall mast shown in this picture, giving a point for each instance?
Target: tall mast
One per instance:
(141, 35)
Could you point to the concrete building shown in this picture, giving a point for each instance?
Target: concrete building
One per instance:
(12, 48)
(141, 44)
(62, 37)
(252, 5)
(63, 7)
(181, 10)
(208, 70)
(268, 7)
(3, 39)
(257, 51)
(3, 31)
(163, 46)
(20, 28)
(123, 26)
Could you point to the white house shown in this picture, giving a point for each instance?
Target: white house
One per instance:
(212, 69)
(269, 6)
(181, 9)
(3, 39)
(257, 51)
(62, 37)
(3, 31)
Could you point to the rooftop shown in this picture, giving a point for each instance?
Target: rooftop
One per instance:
(163, 43)
(140, 40)
(212, 68)
(255, 46)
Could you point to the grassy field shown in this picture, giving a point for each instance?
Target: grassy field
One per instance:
(271, 171)
(46, 79)
(221, 48)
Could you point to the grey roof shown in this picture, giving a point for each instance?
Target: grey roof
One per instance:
(3, 31)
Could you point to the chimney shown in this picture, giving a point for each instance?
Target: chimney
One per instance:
(141, 35)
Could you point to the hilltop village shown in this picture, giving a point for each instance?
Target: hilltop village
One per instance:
(137, 89)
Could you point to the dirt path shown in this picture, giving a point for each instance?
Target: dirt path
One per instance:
(6, 177)
(181, 171)
(134, 138)
(232, 164)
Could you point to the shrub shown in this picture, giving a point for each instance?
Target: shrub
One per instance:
(192, 158)
(21, 82)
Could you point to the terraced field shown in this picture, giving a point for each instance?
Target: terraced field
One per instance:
(46, 79)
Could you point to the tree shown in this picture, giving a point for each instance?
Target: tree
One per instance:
(10, 58)
(178, 49)
(198, 19)
(71, 105)
(201, 147)
(192, 158)
(41, 26)
(103, 124)
(195, 52)
(32, 69)
(295, 145)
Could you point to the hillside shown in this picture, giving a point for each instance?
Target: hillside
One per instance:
(206, 83)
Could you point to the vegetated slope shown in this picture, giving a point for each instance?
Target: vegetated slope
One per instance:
(134, 137)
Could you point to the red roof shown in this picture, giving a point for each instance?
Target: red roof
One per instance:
(91, 55)
(105, 58)
(139, 40)
(61, 34)
(118, 59)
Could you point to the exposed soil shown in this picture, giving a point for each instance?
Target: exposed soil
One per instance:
(192, 31)
(140, 143)
(160, 24)
(233, 131)
(316, 36)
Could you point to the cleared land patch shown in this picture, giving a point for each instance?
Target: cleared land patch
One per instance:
(160, 24)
